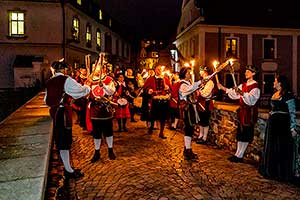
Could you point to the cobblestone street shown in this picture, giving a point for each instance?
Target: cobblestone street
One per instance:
(148, 167)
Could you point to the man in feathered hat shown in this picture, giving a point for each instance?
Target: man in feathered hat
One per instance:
(100, 110)
(60, 89)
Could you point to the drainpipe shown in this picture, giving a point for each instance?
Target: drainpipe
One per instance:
(63, 29)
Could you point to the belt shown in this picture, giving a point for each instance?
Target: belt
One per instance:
(278, 112)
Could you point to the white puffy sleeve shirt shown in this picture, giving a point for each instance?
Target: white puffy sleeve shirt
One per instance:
(250, 98)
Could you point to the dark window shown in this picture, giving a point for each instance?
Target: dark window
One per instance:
(269, 48)
(268, 80)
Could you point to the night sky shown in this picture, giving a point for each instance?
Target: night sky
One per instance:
(156, 19)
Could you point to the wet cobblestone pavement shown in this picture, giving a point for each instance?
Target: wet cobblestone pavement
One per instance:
(148, 167)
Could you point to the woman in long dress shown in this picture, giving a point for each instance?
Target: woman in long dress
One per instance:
(278, 159)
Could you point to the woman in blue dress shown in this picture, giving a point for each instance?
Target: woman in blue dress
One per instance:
(278, 158)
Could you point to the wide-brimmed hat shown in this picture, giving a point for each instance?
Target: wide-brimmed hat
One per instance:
(252, 68)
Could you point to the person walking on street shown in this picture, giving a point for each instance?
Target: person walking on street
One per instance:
(60, 90)
(100, 110)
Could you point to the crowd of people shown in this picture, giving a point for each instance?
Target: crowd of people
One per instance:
(99, 97)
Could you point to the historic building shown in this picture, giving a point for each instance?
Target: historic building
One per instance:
(35, 33)
(260, 35)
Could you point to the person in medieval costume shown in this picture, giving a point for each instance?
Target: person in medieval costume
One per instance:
(120, 97)
(248, 94)
(280, 157)
(79, 105)
(157, 88)
(60, 90)
(174, 110)
(188, 109)
(205, 99)
(100, 110)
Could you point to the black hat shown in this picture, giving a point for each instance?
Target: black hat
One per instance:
(183, 72)
(59, 65)
(252, 68)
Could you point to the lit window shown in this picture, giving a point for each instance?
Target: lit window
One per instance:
(98, 40)
(88, 35)
(75, 29)
(269, 45)
(109, 22)
(79, 2)
(100, 15)
(231, 48)
(16, 23)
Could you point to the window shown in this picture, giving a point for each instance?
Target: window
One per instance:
(229, 81)
(88, 36)
(268, 80)
(100, 15)
(269, 47)
(75, 29)
(109, 22)
(16, 23)
(79, 2)
(231, 48)
(98, 40)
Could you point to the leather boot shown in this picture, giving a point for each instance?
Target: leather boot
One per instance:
(189, 155)
(111, 154)
(96, 156)
(162, 136)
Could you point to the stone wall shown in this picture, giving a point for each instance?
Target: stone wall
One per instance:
(223, 128)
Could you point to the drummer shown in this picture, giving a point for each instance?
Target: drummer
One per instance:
(158, 88)
(120, 97)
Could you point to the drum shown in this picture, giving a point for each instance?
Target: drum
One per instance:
(160, 107)
(137, 102)
(161, 98)
(122, 102)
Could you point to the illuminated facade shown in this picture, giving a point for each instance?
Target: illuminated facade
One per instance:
(35, 33)
(272, 49)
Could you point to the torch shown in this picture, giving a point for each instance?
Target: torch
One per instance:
(232, 72)
(216, 63)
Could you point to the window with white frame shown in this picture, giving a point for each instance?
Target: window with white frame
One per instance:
(268, 82)
(269, 48)
(231, 47)
(75, 29)
(98, 40)
(88, 35)
(16, 23)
